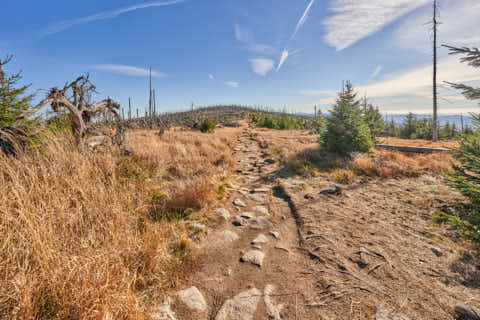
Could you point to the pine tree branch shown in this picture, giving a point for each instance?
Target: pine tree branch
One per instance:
(469, 92)
(472, 55)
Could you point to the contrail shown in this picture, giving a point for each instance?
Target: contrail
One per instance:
(300, 23)
(63, 25)
(302, 20)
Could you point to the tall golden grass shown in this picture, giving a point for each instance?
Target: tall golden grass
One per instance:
(77, 235)
(388, 164)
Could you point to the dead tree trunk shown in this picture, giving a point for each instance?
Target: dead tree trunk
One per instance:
(81, 111)
(435, 105)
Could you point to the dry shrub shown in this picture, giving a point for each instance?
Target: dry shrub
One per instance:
(388, 164)
(343, 176)
(76, 238)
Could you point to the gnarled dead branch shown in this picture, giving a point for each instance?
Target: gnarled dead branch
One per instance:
(76, 98)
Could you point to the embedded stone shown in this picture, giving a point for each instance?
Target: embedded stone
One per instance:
(254, 257)
(239, 203)
(262, 210)
(260, 223)
(229, 236)
(240, 307)
(224, 213)
(193, 299)
(260, 239)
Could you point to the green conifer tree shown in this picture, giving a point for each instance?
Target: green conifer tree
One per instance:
(374, 120)
(346, 130)
(465, 175)
(13, 97)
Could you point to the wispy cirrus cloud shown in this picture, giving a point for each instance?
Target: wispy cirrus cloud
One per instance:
(414, 34)
(128, 70)
(418, 82)
(211, 76)
(66, 24)
(262, 66)
(232, 84)
(353, 20)
(245, 36)
(376, 72)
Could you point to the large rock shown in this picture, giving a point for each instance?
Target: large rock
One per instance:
(467, 313)
(240, 307)
(254, 257)
(332, 190)
(192, 299)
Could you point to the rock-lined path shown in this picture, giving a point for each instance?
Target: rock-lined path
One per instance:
(251, 267)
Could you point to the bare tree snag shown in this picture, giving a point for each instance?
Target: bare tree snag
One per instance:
(76, 98)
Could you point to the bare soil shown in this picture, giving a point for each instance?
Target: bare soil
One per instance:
(368, 250)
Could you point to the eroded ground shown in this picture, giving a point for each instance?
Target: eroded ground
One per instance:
(289, 247)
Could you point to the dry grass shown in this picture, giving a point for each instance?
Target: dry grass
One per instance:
(302, 154)
(94, 236)
(418, 142)
(388, 164)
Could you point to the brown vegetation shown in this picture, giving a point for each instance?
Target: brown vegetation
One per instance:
(301, 153)
(388, 164)
(92, 235)
(419, 143)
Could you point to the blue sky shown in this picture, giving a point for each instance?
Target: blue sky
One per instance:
(278, 53)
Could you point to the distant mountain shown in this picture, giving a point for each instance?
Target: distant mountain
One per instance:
(398, 118)
(442, 119)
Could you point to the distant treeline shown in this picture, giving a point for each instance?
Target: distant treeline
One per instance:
(421, 127)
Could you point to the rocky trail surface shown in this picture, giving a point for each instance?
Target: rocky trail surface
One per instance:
(251, 265)
(286, 249)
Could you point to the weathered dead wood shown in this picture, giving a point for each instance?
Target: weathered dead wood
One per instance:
(81, 111)
(410, 149)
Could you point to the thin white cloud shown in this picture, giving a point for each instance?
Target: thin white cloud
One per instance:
(459, 26)
(232, 84)
(261, 66)
(285, 54)
(327, 93)
(353, 20)
(211, 76)
(63, 25)
(283, 58)
(128, 70)
(377, 70)
(418, 82)
(325, 101)
(245, 36)
(302, 20)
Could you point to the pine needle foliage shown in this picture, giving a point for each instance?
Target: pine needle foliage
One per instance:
(465, 176)
(13, 97)
(346, 130)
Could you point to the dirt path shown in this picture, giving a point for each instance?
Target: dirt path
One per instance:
(251, 265)
(293, 249)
